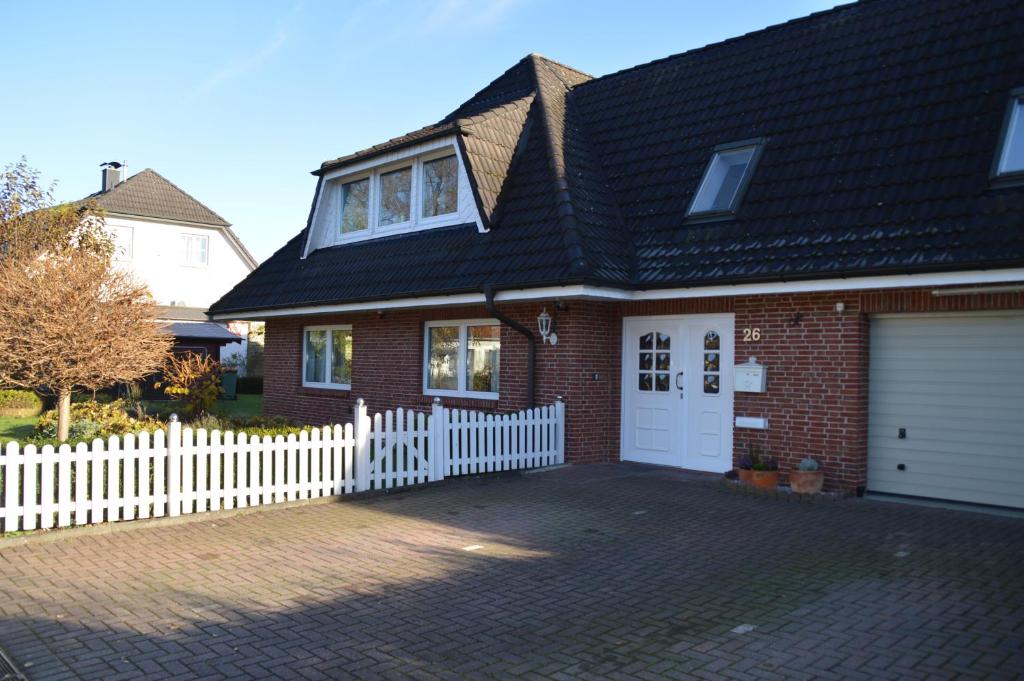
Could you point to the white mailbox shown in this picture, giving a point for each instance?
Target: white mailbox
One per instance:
(750, 377)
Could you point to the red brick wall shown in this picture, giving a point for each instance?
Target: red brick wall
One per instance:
(387, 369)
(816, 402)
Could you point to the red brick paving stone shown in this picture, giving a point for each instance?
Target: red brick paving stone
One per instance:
(569, 584)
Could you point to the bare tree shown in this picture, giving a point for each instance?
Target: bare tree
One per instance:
(68, 319)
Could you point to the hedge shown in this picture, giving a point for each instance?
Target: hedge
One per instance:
(20, 403)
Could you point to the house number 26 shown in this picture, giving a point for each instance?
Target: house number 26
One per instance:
(751, 335)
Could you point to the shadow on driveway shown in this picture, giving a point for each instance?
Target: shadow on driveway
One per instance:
(607, 571)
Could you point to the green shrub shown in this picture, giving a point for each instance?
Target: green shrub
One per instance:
(19, 403)
(253, 426)
(250, 385)
(91, 420)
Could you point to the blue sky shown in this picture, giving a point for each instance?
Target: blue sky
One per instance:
(237, 102)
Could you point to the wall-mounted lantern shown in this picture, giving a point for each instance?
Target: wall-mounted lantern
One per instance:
(544, 325)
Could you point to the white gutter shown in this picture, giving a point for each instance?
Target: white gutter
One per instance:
(613, 294)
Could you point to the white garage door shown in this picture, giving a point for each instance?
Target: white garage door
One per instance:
(946, 417)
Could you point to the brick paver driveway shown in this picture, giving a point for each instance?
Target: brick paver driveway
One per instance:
(584, 572)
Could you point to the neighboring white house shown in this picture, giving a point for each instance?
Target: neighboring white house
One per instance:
(186, 253)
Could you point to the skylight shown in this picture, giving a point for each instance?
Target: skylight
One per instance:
(726, 178)
(1011, 153)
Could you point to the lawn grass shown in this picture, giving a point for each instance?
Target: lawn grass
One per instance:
(244, 406)
(16, 428)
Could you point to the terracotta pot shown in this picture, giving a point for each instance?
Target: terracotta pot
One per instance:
(745, 475)
(764, 479)
(806, 482)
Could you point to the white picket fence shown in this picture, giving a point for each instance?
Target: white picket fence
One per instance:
(181, 470)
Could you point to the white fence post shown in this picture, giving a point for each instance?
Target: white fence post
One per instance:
(436, 440)
(362, 435)
(173, 466)
(560, 430)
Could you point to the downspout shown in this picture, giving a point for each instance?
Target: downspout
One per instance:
(531, 343)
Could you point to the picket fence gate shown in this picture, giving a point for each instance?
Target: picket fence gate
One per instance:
(180, 470)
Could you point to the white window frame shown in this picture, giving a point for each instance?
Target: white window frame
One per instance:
(463, 325)
(757, 145)
(1013, 122)
(416, 220)
(327, 385)
(118, 233)
(188, 237)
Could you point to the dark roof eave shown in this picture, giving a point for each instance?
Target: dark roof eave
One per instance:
(678, 284)
(366, 154)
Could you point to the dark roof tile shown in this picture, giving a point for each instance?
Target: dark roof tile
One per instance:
(882, 120)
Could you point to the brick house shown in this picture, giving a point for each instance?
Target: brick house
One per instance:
(808, 239)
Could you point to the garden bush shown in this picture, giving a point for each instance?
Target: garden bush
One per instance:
(91, 420)
(19, 403)
(253, 426)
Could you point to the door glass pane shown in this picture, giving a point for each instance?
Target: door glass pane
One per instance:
(664, 342)
(647, 341)
(482, 357)
(444, 358)
(316, 355)
(711, 361)
(440, 187)
(661, 383)
(664, 361)
(646, 363)
(341, 357)
(355, 200)
(395, 190)
(646, 382)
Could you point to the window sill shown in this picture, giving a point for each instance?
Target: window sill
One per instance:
(324, 388)
(460, 395)
(1012, 179)
(715, 216)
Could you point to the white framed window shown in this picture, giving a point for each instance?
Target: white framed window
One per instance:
(122, 237)
(196, 249)
(725, 179)
(414, 193)
(327, 357)
(1010, 157)
(462, 358)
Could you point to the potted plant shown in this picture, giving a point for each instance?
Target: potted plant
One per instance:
(746, 465)
(808, 478)
(765, 473)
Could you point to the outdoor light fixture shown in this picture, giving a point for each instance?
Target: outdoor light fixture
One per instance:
(544, 324)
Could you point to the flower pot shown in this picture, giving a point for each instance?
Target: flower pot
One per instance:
(806, 482)
(764, 479)
(745, 475)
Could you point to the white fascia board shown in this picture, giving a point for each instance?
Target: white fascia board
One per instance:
(612, 294)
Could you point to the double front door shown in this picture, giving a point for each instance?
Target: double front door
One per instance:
(677, 391)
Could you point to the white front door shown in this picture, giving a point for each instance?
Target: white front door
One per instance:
(677, 391)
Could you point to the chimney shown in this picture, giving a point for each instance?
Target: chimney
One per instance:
(111, 174)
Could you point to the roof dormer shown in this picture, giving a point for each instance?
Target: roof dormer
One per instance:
(417, 187)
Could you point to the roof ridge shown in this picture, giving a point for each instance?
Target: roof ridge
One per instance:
(566, 212)
(730, 40)
(549, 60)
(150, 170)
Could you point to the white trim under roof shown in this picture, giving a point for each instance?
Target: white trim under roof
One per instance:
(326, 217)
(604, 293)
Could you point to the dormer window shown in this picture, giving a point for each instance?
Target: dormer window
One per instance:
(725, 179)
(355, 205)
(440, 186)
(1009, 164)
(406, 191)
(395, 193)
